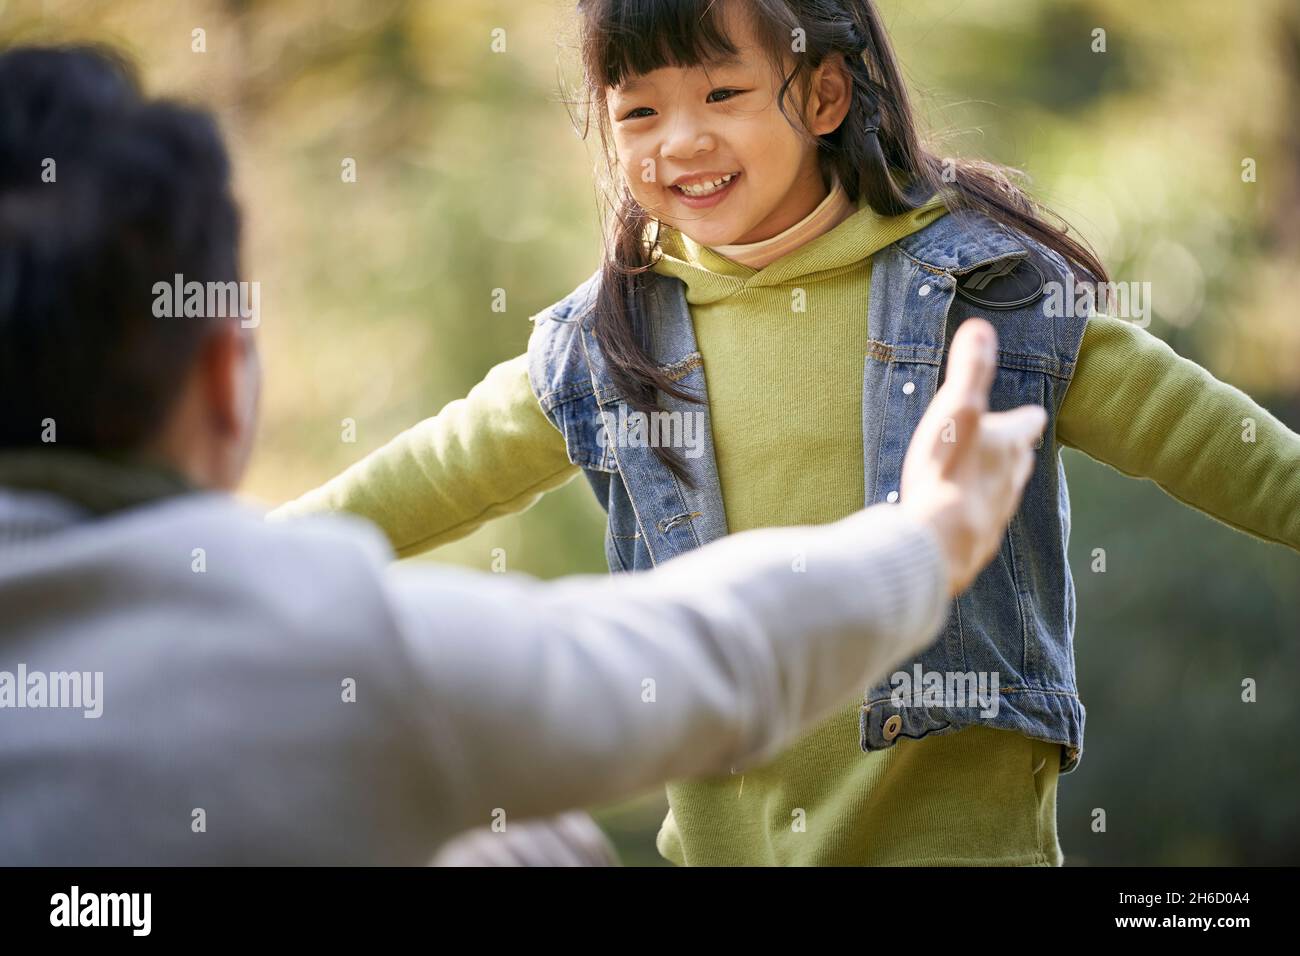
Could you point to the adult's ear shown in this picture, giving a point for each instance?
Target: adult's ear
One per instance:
(220, 365)
(231, 384)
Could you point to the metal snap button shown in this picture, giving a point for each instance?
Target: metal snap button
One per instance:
(892, 497)
(909, 388)
(892, 726)
(924, 290)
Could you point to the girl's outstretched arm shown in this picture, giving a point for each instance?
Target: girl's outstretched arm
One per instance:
(489, 454)
(1138, 406)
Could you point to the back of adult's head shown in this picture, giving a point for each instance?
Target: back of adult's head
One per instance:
(103, 194)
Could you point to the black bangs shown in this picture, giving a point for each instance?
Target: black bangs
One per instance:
(626, 38)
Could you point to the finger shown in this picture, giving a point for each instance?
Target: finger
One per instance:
(1015, 457)
(1023, 469)
(1021, 426)
(972, 360)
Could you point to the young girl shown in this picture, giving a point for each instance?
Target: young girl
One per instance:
(782, 236)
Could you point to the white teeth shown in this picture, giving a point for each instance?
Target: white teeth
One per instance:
(707, 188)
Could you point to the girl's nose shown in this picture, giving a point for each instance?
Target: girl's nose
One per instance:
(687, 140)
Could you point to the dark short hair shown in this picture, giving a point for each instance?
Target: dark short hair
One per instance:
(140, 192)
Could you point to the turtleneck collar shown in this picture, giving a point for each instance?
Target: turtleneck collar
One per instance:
(830, 212)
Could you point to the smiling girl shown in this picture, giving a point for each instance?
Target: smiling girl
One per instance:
(788, 263)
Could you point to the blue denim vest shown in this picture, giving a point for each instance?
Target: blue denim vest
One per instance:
(1017, 619)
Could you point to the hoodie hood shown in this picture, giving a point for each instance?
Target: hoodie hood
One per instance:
(710, 276)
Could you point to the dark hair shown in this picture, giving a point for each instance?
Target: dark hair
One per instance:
(139, 193)
(875, 152)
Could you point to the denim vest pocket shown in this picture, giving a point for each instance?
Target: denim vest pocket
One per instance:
(585, 439)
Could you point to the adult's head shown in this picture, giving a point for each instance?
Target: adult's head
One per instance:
(104, 195)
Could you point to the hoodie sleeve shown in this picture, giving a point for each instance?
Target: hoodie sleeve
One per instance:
(489, 454)
(1138, 406)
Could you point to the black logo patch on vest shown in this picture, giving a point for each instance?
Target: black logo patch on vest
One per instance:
(1009, 284)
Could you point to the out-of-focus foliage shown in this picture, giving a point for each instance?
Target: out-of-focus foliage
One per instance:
(377, 304)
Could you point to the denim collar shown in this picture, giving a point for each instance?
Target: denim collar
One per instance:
(960, 242)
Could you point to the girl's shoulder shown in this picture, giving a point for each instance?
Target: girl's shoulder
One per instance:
(965, 240)
(557, 363)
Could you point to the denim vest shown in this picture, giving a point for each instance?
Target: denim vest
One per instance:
(1017, 619)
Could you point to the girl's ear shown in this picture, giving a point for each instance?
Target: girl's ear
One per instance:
(830, 94)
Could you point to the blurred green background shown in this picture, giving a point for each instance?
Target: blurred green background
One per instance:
(377, 305)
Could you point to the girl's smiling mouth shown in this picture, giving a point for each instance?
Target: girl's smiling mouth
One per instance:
(701, 191)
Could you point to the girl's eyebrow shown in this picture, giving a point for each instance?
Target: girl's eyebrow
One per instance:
(637, 82)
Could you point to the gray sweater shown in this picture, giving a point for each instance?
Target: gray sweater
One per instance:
(278, 693)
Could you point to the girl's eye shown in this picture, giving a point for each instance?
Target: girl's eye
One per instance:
(725, 93)
(715, 96)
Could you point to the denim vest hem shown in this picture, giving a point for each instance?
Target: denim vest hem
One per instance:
(1054, 716)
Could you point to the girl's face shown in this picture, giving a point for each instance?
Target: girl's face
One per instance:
(707, 150)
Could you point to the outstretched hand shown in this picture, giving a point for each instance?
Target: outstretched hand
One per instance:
(966, 467)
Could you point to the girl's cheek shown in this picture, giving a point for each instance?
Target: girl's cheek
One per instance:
(645, 194)
(628, 171)
(631, 163)
(641, 175)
